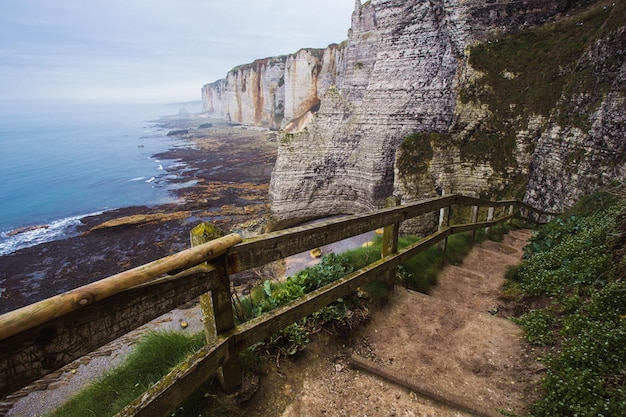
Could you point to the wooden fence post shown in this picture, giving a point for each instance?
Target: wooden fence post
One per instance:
(490, 217)
(473, 220)
(217, 308)
(511, 210)
(390, 240)
(444, 222)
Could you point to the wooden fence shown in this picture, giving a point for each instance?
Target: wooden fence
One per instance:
(42, 337)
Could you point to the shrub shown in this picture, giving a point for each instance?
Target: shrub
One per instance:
(572, 262)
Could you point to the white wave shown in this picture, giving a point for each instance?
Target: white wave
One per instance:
(182, 185)
(137, 179)
(150, 180)
(160, 167)
(53, 231)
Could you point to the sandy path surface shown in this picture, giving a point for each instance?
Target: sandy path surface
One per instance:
(450, 343)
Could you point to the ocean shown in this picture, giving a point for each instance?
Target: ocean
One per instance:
(62, 162)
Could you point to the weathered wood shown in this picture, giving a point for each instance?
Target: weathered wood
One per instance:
(489, 217)
(38, 313)
(278, 245)
(444, 222)
(164, 396)
(461, 228)
(217, 307)
(449, 399)
(390, 240)
(46, 335)
(474, 219)
(32, 354)
(203, 233)
(471, 201)
(260, 328)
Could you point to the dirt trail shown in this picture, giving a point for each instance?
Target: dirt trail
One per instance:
(450, 342)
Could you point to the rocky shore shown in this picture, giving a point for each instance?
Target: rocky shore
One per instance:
(223, 178)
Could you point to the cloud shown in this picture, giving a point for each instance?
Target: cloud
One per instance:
(156, 50)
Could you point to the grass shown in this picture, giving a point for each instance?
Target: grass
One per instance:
(158, 352)
(152, 358)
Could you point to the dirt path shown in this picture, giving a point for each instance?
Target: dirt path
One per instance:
(450, 343)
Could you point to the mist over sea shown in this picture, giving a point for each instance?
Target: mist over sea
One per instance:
(62, 161)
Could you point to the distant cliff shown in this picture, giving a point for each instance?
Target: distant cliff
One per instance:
(493, 98)
(272, 92)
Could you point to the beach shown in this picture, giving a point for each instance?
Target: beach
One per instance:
(221, 175)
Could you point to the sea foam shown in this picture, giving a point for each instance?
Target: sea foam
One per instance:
(57, 229)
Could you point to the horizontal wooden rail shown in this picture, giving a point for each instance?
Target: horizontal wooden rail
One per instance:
(278, 245)
(44, 336)
(260, 328)
(471, 201)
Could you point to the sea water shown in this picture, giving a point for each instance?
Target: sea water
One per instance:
(62, 162)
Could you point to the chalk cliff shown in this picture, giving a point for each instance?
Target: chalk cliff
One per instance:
(272, 92)
(427, 97)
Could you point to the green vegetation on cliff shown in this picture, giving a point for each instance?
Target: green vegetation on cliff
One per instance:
(555, 71)
(576, 267)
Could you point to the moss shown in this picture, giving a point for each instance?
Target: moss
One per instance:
(416, 152)
(545, 71)
(545, 62)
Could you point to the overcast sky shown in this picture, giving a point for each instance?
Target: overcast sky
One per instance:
(150, 50)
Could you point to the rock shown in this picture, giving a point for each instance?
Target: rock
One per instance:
(346, 111)
(179, 132)
(26, 229)
(138, 219)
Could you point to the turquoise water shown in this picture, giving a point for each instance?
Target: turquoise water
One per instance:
(59, 163)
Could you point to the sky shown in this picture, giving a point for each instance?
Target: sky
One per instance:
(150, 50)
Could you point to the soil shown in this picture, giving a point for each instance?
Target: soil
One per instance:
(454, 343)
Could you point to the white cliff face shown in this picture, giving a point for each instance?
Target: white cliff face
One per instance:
(400, 77)
(272, 92)
(570, 162)
(346, 110)
(251, 94)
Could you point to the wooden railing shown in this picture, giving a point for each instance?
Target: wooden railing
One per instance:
(42, 337)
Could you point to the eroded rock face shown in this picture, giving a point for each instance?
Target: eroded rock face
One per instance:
(272, 92)
(346, 110)
(406, 63)
(343, 162)
(577, 158)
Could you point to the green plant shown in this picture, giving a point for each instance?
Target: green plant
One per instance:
(152, 358)
(571, 262)
(537, 326)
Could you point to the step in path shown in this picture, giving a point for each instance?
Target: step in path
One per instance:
(450, 344)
